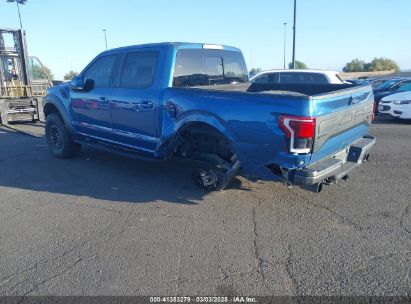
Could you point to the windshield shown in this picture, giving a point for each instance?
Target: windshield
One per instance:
(376, 83)
(405, 87)
(386, 85)
(203, 67)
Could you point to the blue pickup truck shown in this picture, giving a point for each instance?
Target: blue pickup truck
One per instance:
(195, 101)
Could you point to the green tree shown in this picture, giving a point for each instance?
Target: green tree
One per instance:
(70, 75)
(383, 64)
(254, 71)
(355, 65)
(298, 65)
(377, 64)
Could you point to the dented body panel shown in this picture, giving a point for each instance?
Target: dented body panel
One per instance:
(247, 116)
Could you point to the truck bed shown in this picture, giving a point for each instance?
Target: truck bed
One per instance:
(343, 112)
(279, 88)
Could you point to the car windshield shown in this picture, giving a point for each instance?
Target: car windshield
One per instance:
(406, 87)
(376, 83)
(386, 85)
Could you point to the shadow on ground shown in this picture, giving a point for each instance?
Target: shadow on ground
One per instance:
(387, 120)
(25, 163)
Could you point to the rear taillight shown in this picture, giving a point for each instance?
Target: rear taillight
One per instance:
(299, 131)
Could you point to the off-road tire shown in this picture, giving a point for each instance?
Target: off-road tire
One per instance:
(58, 138)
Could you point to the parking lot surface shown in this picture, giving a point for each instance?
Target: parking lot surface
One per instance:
(103, 224)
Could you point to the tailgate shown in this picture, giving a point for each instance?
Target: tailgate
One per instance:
(342, 117)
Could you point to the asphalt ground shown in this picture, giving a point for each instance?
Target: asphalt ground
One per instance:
(103, 224)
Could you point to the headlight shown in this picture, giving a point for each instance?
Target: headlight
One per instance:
(400, 102)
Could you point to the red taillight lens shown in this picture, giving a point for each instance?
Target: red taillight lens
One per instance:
(300, 131)
(300, 127)
(303, 129)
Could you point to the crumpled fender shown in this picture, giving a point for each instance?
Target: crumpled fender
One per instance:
(171, 126)
(207, 118)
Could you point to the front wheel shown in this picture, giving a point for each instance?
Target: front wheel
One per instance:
(58, 139)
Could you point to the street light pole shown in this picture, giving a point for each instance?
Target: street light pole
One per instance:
(18, 8)
(105, 37)
(295, 15)
(285, 35)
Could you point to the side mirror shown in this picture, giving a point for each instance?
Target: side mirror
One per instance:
(77, 84)
(89, 85)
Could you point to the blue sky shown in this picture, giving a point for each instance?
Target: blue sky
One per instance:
(68, 34)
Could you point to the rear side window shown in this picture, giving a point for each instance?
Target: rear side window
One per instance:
(101, 71)
(139, 70)
(201, 67)
(302, 78)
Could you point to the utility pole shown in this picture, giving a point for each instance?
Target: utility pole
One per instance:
(285, 35)
(295, 16)
(18, 8)
(251, 59)
(105, 37)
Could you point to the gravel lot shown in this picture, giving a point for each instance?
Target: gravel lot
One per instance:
(102, 224)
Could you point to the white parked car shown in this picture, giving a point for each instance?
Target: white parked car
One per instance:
(396, 105)
(297, 76)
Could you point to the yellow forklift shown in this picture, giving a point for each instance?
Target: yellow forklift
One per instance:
(23, 80)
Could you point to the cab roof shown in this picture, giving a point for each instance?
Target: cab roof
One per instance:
(176, 45)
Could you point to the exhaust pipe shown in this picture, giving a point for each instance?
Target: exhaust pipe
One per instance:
(316, 188)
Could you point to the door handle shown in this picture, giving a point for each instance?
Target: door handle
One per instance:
(145, 105)
(103, 100)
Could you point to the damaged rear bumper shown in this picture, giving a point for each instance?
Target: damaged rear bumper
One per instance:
(333, 168)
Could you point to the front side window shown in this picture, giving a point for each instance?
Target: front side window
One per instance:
(101, 71)
(202, 67)
(139, 70)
